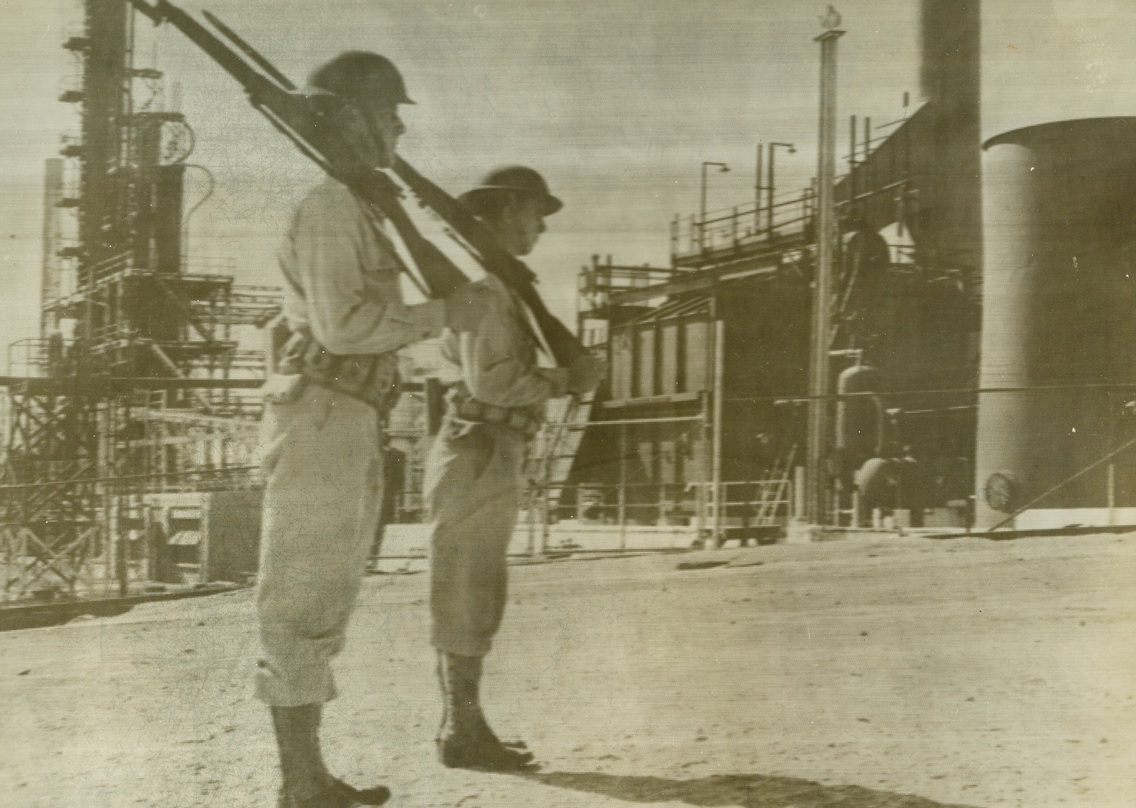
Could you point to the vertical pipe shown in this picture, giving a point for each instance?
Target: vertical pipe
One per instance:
(826, 235)
(702, 213)
(545, 507)
(757, 191)
(700, 489)
(769, 195)
(50, 282)
(800, 487)
(719, 379)
(1111, 494)
(122, 557)
(530, 521)
(868, 173)
(622, 486)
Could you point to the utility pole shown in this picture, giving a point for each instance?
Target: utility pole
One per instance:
(722, 168)
(772, 187)
(822, 284)
(757, 189)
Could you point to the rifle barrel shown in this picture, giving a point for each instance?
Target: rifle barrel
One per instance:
(249, 51)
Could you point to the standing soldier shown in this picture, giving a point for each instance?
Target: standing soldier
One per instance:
(474, 479)
(321, 433)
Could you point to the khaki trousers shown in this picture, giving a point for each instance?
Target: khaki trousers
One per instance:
(473, 487)
(323, 491)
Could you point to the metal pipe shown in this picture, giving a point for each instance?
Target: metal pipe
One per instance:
(719, 405)
(722, 169)
(868, 178)
(757, 190)
(826, 237)
(623, 486)
(770, 189)
(700, 490)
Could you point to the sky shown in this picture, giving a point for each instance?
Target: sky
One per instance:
(616, 102)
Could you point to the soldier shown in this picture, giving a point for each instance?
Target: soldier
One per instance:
(321, 433)
(474, 480)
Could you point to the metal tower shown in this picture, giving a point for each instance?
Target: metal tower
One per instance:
(135, 380)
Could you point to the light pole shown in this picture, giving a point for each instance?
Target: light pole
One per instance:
(722, 169)
(769, 188)
(757, 188)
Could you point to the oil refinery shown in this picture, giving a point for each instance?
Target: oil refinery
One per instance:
(935, 333)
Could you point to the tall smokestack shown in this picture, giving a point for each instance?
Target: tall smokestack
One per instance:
(950, 81)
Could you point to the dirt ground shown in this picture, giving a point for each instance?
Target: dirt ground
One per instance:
(868, 671)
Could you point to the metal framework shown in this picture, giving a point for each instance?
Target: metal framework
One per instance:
(881, 297)
(120, 301)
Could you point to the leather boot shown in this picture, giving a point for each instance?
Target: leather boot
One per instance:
(307, 782)
(465, 740)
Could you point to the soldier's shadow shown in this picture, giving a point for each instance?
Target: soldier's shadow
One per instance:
(745, 790)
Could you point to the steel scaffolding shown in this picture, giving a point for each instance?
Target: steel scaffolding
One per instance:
(90, 427)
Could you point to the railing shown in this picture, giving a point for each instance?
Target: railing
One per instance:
(596, 283)
(607, 278)
(113, 334)
(742, 226)
(30, 357)
(745, 503)
(108, 267)
(245, 305)
(753, 503)
(209, 265)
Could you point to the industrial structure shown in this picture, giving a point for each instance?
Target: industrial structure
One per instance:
(138, 383)
(880, 345)
(972, 338)
(710, 357)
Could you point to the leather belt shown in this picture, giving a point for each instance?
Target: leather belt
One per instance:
(371, 378)
(464, 407)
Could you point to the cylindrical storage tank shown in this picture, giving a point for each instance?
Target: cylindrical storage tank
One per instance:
(857, 418)
(1059, 310)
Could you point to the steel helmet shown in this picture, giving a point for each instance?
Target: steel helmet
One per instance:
(359, 76)
(520, 179)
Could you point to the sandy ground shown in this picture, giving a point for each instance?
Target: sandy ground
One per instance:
(869, 671)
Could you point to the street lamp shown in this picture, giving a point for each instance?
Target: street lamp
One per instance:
(722, 169)
(769, 188)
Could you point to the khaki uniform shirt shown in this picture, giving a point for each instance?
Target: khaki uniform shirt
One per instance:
(498, 362)
(342, 279)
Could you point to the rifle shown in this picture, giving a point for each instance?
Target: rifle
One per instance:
(308, 121)
(490, 254)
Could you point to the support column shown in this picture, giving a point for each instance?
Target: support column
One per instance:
(822, 284)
